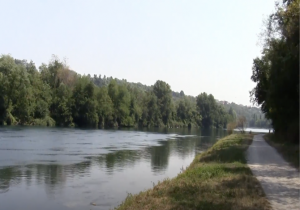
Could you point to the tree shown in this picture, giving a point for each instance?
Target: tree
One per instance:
(205, 106)
(232, 114)
(16, 92)
(104, 107)
(153, 112)
(182, 93)
(241, 123)
(276, 72)
(121, 101)
(84, 108)
(61, 107)
(162, 91)
(56, 95)
(186, 112)
(213, 115)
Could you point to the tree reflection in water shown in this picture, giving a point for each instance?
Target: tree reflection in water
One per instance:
(54, 176)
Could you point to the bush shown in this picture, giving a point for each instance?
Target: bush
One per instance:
(230, 127)
(46, 121)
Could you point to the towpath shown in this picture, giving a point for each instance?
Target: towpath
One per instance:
(280, 181)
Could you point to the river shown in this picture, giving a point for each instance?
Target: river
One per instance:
(68, 168)
(257, 130)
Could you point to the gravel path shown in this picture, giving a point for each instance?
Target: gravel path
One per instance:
(280, 181)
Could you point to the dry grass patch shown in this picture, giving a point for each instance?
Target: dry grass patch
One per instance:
(217, 179)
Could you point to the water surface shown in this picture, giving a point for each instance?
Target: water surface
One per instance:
(257, 130)
(64, 168)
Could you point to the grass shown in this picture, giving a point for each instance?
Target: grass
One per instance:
(288, 150)
(217, 179)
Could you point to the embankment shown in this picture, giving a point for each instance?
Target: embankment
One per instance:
(217, 179)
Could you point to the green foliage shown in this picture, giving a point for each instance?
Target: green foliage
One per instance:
(254, 116)
(276, 72)
(104, 108)
(46, 121)
(218, 178)
(56, 95)
(213, 115)
(152, 111)
(84, 106)
(61, 107)
(16, 92)
(163, 92)
(187, 113)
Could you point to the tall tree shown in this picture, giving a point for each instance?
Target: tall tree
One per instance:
(276, 72)
(162, 91)
(213, 115)
(16, 96)
(104, 108)
(84, 106)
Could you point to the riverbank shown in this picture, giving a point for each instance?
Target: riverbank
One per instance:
(217, 179)
(288, 150)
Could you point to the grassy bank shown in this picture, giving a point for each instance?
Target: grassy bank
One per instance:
(288, 150)
(217, 179)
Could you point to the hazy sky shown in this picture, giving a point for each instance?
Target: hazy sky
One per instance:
(195, 46)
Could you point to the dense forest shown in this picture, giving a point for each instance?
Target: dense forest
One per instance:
(55, 95)
(276, 72)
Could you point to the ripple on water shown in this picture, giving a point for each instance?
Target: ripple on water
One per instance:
(58, 149)
(93, 166)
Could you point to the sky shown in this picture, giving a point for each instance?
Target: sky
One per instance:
(195, 46)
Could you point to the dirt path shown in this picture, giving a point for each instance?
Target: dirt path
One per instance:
(279, 180)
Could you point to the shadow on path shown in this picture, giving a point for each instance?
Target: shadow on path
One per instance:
(279, 180)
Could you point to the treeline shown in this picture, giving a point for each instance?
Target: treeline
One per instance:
(100, 81)
(56, 95)
(254, 116)
(276, 72)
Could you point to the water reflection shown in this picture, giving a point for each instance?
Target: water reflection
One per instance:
(9, 176)
(99, 170)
